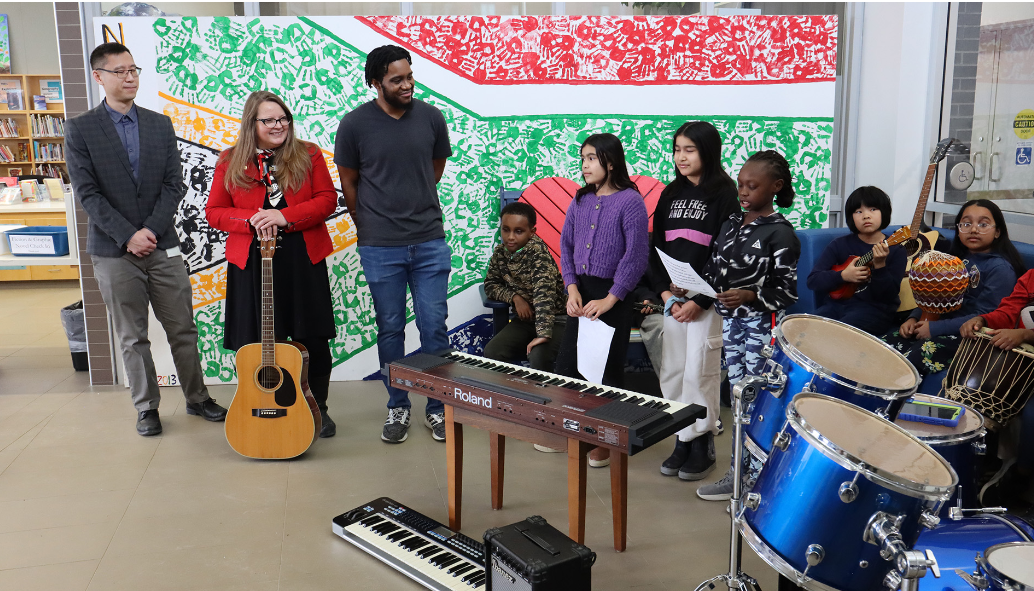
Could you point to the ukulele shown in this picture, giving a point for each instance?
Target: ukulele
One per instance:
(847, 290)
(273, 415)
(924, 241)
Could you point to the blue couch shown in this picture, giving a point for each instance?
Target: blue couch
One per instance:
(813, 242)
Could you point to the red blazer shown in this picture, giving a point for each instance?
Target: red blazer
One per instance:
(307, 209)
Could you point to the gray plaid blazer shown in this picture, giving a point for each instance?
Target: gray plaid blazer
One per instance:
(117, 203)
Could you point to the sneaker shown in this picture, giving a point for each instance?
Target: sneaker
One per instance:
(396, 427)
(700, 462)
(721, 427)
(671, 466)
(719, 491)
(436, 423)
(599, 457)
(549, 450)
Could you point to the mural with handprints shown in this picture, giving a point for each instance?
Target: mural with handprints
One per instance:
(206, 67)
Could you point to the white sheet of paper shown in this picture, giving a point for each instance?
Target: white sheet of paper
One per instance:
(683, 275)
(594, 337)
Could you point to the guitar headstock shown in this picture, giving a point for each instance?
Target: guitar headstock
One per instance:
(268, 247)
(902, 234)
(941, 150)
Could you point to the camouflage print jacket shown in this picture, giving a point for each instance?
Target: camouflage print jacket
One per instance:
(532, 274)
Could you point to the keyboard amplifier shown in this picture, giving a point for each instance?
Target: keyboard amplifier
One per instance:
(532, 555)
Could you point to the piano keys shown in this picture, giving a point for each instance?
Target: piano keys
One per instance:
(605, 416)
(415, 545)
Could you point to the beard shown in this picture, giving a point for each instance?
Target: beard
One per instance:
(395, 101)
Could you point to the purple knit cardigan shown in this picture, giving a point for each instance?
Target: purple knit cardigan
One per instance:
(606, 237)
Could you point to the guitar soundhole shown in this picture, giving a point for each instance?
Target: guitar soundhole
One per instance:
(269, 377)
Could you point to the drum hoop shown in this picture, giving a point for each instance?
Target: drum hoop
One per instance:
(755, 449)
(997, 574)
(824, 372)
(774, 560)
(855, 464)
(958, 439)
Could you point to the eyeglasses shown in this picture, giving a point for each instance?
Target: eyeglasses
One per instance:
(981, 228)
(271, 123)
(121, 74)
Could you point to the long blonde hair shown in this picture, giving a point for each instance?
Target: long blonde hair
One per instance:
(292, 159)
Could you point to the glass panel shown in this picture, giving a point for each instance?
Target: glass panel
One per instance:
(992, 108)
(339, 8)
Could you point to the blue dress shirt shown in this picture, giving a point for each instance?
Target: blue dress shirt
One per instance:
(128, 128)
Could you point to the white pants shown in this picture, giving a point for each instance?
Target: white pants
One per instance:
(691, 367)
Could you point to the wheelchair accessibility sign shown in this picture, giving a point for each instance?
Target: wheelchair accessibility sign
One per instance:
(1023, 154)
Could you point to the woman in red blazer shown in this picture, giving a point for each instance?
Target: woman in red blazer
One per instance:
(273, 184)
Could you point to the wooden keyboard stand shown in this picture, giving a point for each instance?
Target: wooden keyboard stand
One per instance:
(577, 450)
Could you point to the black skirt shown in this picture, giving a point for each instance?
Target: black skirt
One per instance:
(302, 306)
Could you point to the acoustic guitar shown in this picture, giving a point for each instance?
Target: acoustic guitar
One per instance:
(847, 290)
(273, 415)
(923, 241)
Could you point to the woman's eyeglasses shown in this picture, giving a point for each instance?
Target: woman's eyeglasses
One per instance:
(981, 228)
(271, 123)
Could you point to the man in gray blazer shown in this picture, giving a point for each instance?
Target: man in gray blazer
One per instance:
(125, 170)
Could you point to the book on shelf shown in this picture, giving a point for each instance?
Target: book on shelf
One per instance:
(39, 102)
(8, 128)
(47, 125)
(51, 90)
(51, 170)
(6, 155)
(15, 100)
(9, 85)
(48, 151)
(14, 171)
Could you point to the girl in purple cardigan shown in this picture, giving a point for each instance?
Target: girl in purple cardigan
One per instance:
(604, 251)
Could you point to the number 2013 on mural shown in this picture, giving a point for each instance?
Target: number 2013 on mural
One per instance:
(169, 380)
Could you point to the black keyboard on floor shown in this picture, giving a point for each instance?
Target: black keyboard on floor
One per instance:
(415, 545)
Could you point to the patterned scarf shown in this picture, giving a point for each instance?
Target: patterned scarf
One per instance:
(267, 170)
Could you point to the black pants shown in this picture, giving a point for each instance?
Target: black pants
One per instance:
(619, 317)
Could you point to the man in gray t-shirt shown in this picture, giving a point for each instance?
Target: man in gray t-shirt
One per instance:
(391, 154)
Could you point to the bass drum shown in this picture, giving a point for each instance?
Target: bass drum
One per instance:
(955, 545)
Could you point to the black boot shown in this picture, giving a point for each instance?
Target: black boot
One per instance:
(320, 388)
(700, 462)
(671, 466)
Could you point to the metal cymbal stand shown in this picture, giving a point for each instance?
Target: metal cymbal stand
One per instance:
(743, 393)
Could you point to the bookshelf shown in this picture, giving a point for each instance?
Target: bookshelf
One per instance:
(24, 146)
(37, 141)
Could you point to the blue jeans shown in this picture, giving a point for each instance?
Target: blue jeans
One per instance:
(425, 269)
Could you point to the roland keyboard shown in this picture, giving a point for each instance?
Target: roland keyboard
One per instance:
(415, 545)
(601, 415)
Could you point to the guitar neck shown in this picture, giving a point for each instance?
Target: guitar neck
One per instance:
(917, 220)
(268, 340)
(864, 260)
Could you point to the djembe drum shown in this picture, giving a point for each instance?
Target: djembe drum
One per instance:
(938, 282)
(996, 382)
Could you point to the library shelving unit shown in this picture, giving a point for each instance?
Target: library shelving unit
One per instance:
(25, 145)
(24, 148)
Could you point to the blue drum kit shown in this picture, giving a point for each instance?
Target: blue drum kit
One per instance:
(836, 495)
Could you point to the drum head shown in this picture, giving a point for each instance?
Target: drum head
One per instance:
(970, 422)
(1015, 560)
(874, 440)
(849, 352)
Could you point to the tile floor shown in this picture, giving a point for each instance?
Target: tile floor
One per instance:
(87, 504)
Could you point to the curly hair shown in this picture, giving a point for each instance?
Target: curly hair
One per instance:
(780, 169)
(379, 59)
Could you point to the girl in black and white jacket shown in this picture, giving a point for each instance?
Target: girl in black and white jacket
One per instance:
(754, 270)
